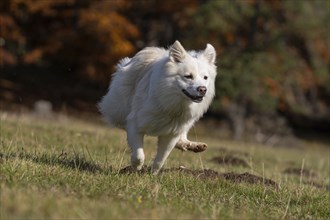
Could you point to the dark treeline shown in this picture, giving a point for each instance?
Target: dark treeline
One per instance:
(273, 55)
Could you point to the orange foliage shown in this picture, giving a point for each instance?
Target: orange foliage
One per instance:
(7, 58)
(32, 56)
(91, 35)
(9, 28)
(45, 7)
(9, 32)
(112, 30)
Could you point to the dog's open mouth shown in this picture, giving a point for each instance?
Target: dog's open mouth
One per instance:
(197, 99)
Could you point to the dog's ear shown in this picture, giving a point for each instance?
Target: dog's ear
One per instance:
(209, 53)
(177, 52)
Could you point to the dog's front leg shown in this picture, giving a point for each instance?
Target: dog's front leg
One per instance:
(135, 141)
(164, 148)
(184, 144)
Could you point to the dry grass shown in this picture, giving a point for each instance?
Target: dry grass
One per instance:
(68, 168)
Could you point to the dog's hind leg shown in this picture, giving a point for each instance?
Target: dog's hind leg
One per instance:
(135, 141)
(184, 144)
(165, 146)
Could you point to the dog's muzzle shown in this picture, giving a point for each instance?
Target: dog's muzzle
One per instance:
(196, 98)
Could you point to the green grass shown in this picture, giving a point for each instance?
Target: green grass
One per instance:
(69, 168)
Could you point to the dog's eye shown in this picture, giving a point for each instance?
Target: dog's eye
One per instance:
(190, 76)
(205, 77)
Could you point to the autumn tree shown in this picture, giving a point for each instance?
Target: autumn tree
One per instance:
(87, 37)
(273, 56)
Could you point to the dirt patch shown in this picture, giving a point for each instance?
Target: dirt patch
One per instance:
(205, 173)
(209, 175)
(230, 160)
(234, 177)
(300, 172)
(129, 169)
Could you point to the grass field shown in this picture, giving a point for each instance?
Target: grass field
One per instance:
(67, 168)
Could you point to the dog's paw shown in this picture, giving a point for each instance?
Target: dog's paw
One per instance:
(191, 146)
(197, 147)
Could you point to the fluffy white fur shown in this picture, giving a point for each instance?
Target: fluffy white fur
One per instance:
(160, 93)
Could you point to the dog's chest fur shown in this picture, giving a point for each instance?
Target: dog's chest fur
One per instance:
(156, 123)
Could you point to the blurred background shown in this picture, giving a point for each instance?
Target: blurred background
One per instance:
(273, 58)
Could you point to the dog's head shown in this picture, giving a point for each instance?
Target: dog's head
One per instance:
(195, 72)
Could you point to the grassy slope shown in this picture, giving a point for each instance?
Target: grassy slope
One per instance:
(70, 169)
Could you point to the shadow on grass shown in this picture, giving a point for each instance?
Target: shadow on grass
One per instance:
(76, 162)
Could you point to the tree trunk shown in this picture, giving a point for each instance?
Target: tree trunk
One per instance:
(237, 114)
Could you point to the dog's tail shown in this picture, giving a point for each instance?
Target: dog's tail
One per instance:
(123, 63)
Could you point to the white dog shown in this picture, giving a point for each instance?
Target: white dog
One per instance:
(160, 93)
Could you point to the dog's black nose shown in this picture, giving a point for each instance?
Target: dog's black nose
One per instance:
(202, 90)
